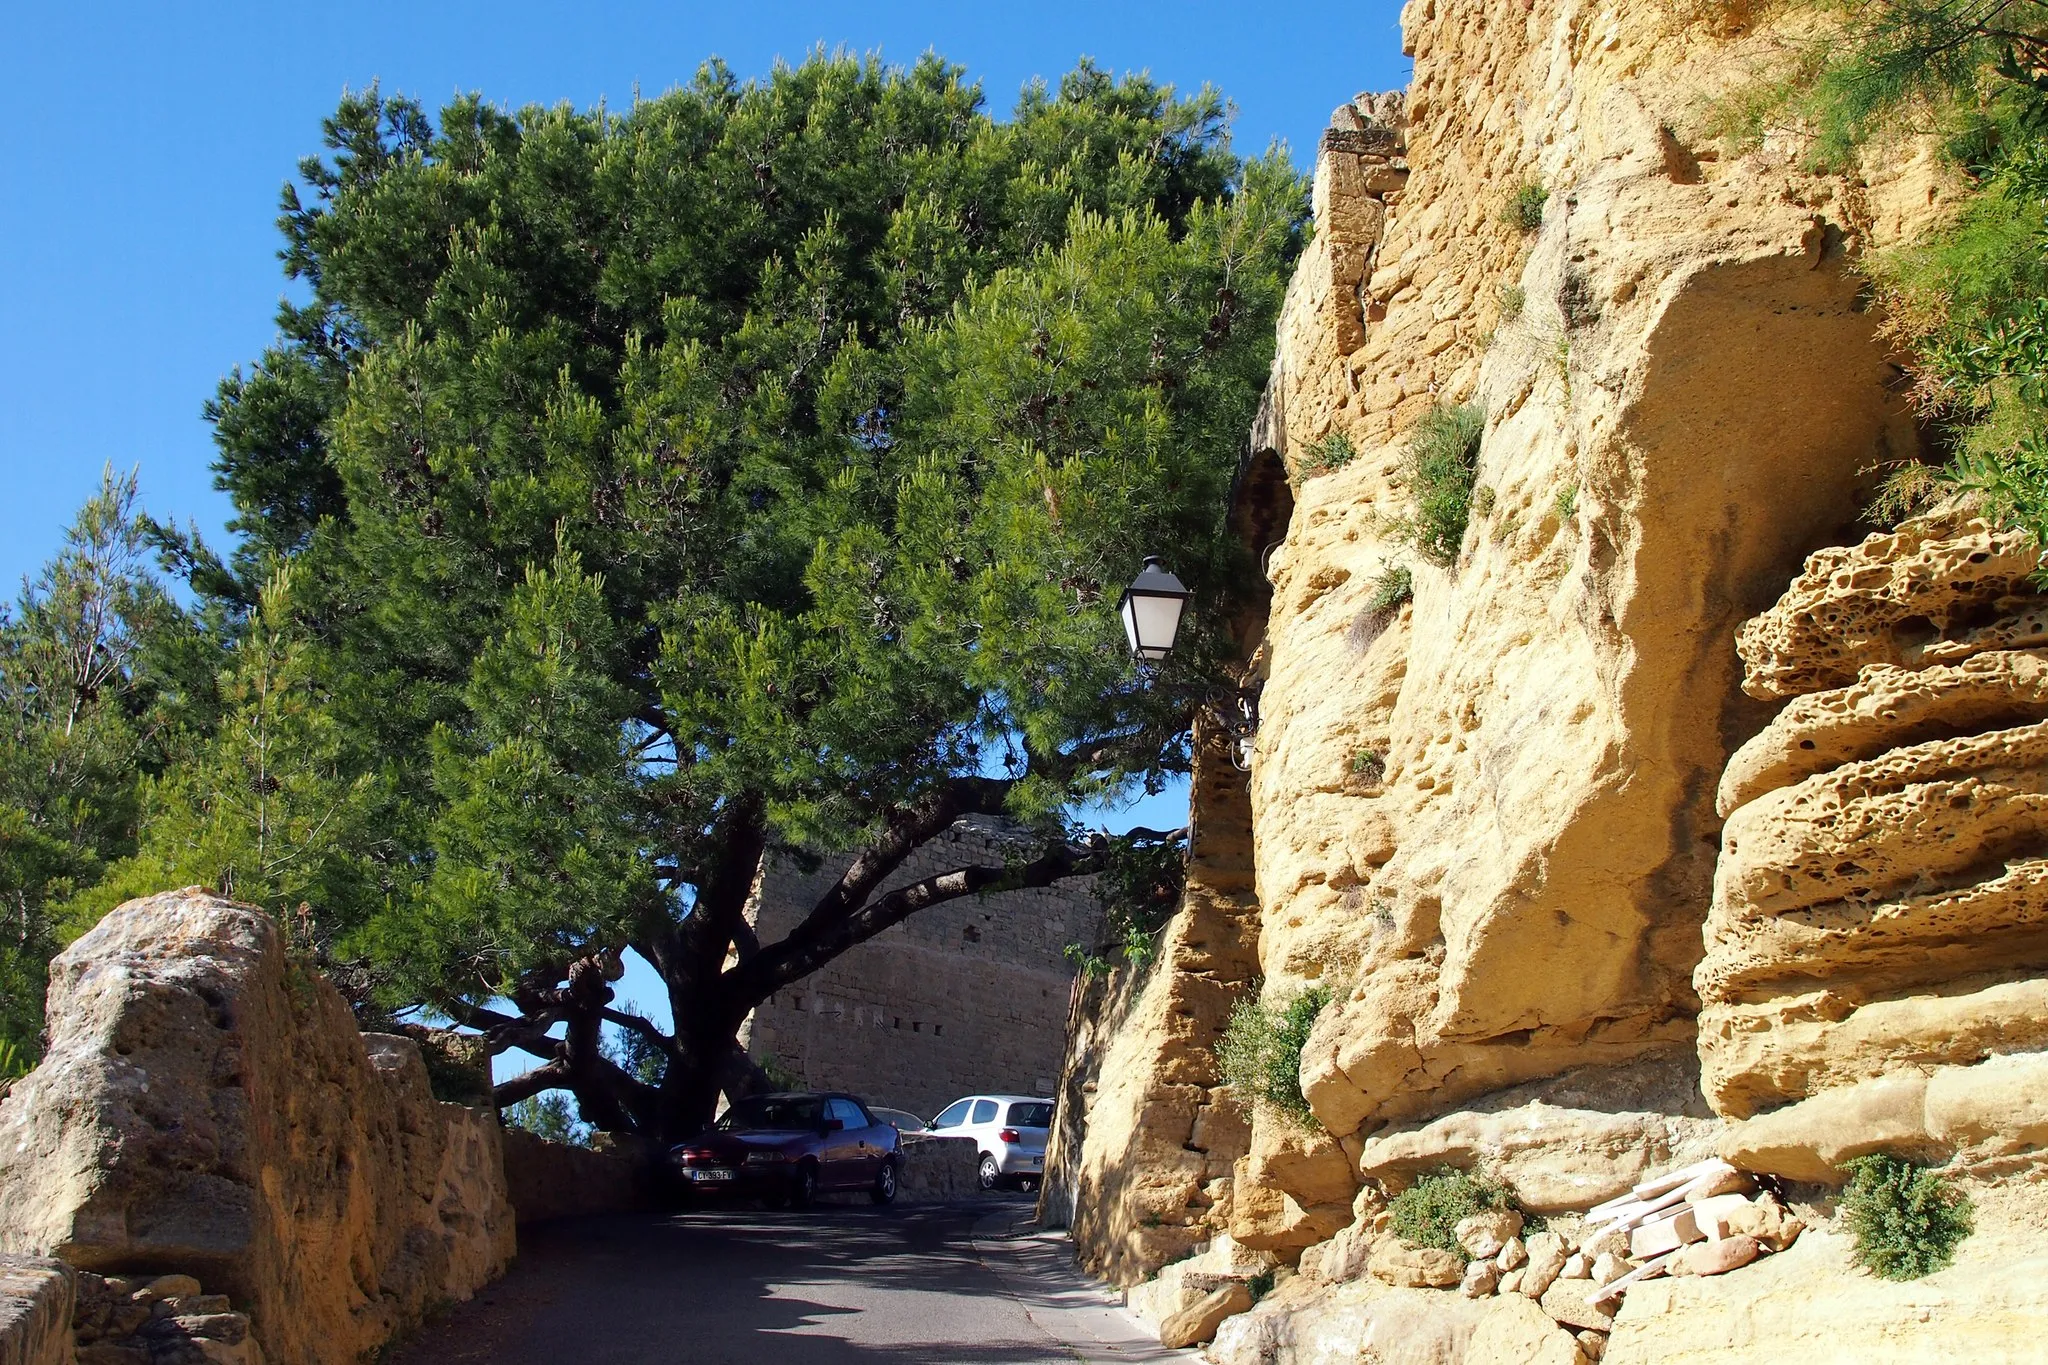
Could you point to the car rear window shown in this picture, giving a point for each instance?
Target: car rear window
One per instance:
(1037, 1114)
(984, 1112)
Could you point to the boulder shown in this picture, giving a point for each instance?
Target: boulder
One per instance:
(1484, 1234)
(1570, 1302)
(1198, 1322)
(200, 1092)
(1513, 1331)
(36, 1299)
(1399, 1263)
(1481, 1279)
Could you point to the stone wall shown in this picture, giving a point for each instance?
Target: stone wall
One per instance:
(1146, 1136)
(970, 995)
(207, 1110)
(36, 1298)
(546, 1180)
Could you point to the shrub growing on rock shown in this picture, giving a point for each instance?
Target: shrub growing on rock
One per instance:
(1524, 211)
(1260, 1054)
(1443, 457)
(1427, 1213)
(1907, 1218)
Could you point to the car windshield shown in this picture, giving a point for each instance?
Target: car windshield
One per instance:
(1035, 1115)
(772, 1111)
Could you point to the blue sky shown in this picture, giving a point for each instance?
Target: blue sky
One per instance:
(147, 144)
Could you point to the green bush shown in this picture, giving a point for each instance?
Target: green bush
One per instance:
(1369, 764)
(1394, 585)
(1260, 1054)
(1907, 1219)
(1567, 502)
(1332, 452)
(1513, 299)
(1524, 211)
(1443, 457)
(1427, 1213)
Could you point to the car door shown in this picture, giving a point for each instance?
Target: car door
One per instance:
(873, 1144)
(843, 1162)
(953, 1117)
(981, 1122)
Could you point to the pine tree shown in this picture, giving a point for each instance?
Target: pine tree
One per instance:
(755, 469)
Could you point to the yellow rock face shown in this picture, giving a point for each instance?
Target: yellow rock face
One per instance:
(1486, 819)
(1880, 902)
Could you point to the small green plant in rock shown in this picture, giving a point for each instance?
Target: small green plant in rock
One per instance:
(1394, 585)
(1513, 299)
(1483, 499)
(1260, 1284)
(1332, 452)
(1524, 211)
(1369, 764)
(1383, 916)
(1567, 502)
(1260, 1055)
(1907, 1218)
(1427, 1213)
(1443, 457)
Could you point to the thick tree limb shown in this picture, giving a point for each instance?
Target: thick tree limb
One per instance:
(553, 1076)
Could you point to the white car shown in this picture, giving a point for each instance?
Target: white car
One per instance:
(1011, 1130)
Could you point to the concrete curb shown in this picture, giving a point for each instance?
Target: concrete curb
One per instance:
(1037, 1269)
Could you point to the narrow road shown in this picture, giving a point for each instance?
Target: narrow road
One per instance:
(839, 1284)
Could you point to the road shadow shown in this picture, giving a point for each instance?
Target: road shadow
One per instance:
(835, 1285)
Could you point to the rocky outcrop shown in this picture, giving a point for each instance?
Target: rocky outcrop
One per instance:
(207, 1108)
(1486, 818)
(1879, 930)
(36, 1297)
(1146, 1135)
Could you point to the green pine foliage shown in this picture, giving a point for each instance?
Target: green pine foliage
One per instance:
(1260, 1052)
(96, 686)
(635, 493)
(1442, 465)
(1907, 1219)
(1428, 1212)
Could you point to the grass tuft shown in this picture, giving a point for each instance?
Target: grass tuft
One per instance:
(1332, 452)
(1907, 1218)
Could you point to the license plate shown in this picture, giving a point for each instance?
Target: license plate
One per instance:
(712, 1173)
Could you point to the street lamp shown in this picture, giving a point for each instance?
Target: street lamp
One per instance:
(1152, 608)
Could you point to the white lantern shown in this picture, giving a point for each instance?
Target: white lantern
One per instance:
(1152, 608)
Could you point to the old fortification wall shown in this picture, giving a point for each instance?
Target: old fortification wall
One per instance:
(1586, 910)
(967, 996)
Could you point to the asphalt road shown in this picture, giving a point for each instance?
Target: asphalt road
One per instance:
(838, 1284)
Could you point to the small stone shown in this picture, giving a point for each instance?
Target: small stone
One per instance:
(1712, 1213)
(1511, 1282)
(1570, 1302)
(1609, 1267)
(1514, 1254)
(1547, 1256)
(1484, 1234)
(1767, 1220)
(1720, 1182)
(1718, 1258)
(1481, 1279)
(1665, 1234)
(1398, 1263)
(1576, 1267)
(167, 1287)
(1198, 1322)
(228, 1327)
(1608, 1239)
(1592, 1344)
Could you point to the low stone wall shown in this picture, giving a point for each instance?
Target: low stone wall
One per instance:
(936, 1169)
(548, 1180)
(36, 1298)
(208, 1110)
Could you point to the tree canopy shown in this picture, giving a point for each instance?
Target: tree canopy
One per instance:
(634, 493)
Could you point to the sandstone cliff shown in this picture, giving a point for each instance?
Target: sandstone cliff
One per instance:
(1612, 851)
(208, 1109)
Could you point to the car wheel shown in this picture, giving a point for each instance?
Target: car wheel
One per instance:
(884, 1191)
(803, 1190)
(991, 1174)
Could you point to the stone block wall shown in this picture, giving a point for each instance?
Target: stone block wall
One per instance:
(36, 1297)
(547, 1180)
(967, 996)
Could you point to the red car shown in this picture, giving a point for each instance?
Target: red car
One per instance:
(786, 1149)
